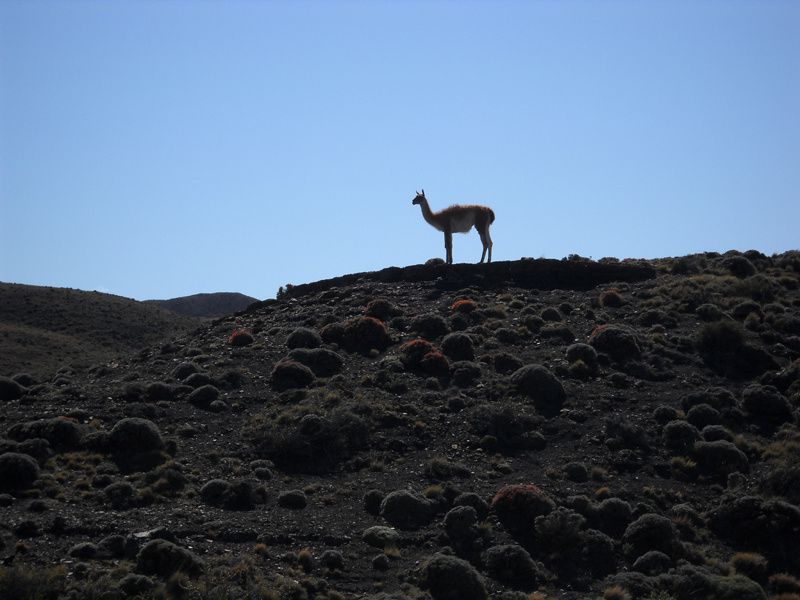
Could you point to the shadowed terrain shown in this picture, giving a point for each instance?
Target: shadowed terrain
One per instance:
(206, 305)
(525, 430)
(45, 328)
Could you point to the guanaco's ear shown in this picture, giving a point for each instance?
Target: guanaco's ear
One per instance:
(423, 191)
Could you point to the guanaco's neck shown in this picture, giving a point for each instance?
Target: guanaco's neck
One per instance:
(427, 214)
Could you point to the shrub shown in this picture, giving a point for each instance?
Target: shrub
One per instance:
(616, 592)
(512, 565)
(784, 583)
(720, 458)
(539, 384)
(583, 352)
(550, 314)
(465, 373)
(60, 432)
(464, 306)
(701, 415)
(652, 563)
(716, 397)
(315, 444)
(436, 364)
(505, 363)
(719, 338)
(650, 532)
(450, 578)
(518, 505)
(183, 370)
(559, 532)
(413, 351)
(289, 374)
(709, 312)
(611, 516)
(504, 423)
(380, 309)
(766, 526)
(764, 403)
(136, 444)
(29, 582)
(303, 337)
(406, 510)
(611, 299)
(293, 499)
(430, 326)
(240, 337)
(458, 346)
(333, 333)
(362, 334)
(120, 495)
(323, 362)
(163, 558)
(617, 341)
(751, 564)
(17, 471)
(203, 396)
(158, 391)
(739, 266)
(679, 436)
(10, 389)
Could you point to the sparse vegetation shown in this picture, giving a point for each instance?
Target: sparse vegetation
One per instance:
(376, 437)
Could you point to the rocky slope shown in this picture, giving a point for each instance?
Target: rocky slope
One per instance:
(607, 430)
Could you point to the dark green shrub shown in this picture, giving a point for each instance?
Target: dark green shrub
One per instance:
(406, 510)
(458, 346)
(323, 362)
(28, 582)
(450, 578)
(719, 338)
(290, 374)
(363, 334)
(164, 559)
(315, 444)
(136, 444)
(650, 532)
(17, 471)
(512, 565)
(10, 389)
(430, 326)
(303, 337)
(617, 341)
(750, 564)
(541, 386)
(61, 433)
(518, 505)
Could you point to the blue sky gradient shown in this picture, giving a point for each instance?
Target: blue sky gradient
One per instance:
(159, 149)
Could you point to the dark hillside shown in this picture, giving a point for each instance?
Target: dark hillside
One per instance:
(45, 328)
(404, 438)
(217, 304)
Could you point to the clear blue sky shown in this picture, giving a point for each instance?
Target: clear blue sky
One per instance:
(158, 149)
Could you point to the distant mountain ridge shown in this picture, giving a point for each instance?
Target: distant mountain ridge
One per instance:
(45, 328)
(218, 304)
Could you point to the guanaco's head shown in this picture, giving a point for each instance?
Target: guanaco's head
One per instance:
(419, 198)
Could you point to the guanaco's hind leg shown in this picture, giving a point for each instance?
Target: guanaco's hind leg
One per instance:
(448, 245)
(486, 240)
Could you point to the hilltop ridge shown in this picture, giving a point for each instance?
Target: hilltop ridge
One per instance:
(430, 434)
